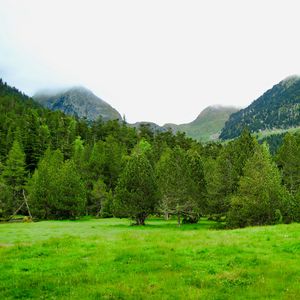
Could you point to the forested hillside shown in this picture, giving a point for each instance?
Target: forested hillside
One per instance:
(68, 168)
(279, 107)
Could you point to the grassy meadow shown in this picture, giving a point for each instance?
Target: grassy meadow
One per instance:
(109, 259)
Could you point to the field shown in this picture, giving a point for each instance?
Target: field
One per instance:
(109, 259)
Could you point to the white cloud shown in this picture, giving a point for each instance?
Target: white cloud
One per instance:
(162, 61)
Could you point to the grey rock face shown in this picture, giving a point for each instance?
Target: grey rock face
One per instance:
(79, 102)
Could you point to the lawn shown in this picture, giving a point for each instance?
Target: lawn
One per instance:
(109, 259)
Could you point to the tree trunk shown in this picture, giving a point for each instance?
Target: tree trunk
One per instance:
(178, 219)
(166, 216)
(140, 220)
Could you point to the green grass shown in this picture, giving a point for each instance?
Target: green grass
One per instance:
(109, 259)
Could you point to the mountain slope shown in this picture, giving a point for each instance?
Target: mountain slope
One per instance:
(278, 108)
(79, 102)
(150, 125)
(207, 126)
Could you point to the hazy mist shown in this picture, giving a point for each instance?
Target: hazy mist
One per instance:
(161, 61)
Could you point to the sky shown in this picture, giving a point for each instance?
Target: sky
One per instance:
(157, 60)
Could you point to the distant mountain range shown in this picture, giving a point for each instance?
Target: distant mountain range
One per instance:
(208, 125)
(277, 108)
(82, 103)
(79, 102)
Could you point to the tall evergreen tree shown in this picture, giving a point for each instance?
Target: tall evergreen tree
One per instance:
(223, 179)
(260, 199)
(136, 192)
(288, 160)
(71, 193)
(196, 165)
(14, 177)
(177, 188)
(43, 187)
(78, 149)
(56, 190)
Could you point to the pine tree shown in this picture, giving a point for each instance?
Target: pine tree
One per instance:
(14, 177)
(223, 174)
(196, 166)
(288, 159)
(260, 199)
(71, 192)
(136, 192)
(78, 149)
(114, 153)
(44, 186)
(56, 190)
(177, 188)
(101, 200)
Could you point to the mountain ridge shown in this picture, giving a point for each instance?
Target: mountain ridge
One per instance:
(77, 101)
(277, 108)
(208, 124)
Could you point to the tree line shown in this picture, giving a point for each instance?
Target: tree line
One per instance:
(69, 168)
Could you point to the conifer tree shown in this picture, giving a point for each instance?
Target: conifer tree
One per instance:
(43, 187)
(136, 192)
(14, 177)
(78, 149)
(56, 190)
(196, 166)
(223, 174)
(101, 199)
(260, 199)
(71, 192)
(288, 159)
(177, 188)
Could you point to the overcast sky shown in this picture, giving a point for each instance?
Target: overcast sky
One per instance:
(156, 60)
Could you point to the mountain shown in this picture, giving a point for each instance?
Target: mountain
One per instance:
(152, 126)
(207, 126)
(79, 102)
(277, 108)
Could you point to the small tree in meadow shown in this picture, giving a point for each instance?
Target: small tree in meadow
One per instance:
(136, 191)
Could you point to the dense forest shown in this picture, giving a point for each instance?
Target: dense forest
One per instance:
(68, 167)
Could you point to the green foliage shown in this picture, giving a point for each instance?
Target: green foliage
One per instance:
(56, 190)
(44, 186)
(143, 146)
(288, 160)
(178, 187)
(136, 192)
(277, 108)
(101, 167)
(6, 199)
(71, 193)
(260, 198)
(13, 179)
(274, 142)
(223, 174)
(101, 200)
(78, 149)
